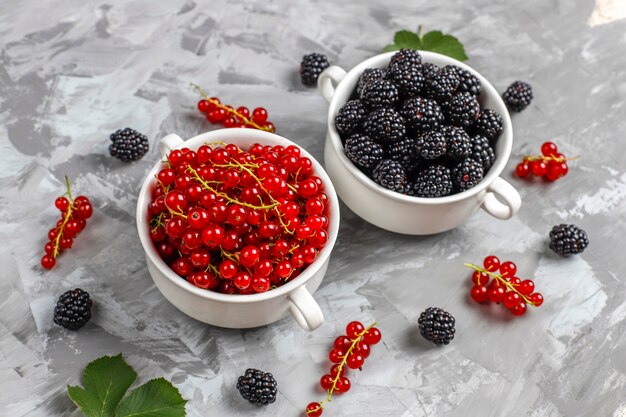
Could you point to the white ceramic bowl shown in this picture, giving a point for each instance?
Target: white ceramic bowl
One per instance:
(397, 212)
(238, 311)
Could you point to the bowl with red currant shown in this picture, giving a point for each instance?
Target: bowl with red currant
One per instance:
(419, 135)
(238, 226)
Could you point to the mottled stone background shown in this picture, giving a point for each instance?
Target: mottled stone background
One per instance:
(73, 72)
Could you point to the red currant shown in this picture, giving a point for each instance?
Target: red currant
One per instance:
(327, 382)
(354, 329)
(508, 269)
(538, 168)
(479, 293)
(522, 170)
(526, 287)
(549, 149)
(519, 309)
(314, 410)
(336, 355)
(372, 336)
(491, 263)
(355, 360)
(48, 262)
(536, 299)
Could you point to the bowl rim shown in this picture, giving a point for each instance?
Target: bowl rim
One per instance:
(380, 61)
(255, 136)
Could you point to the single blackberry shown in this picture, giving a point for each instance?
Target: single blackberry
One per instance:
(379, 93)
(518, 96)
(489, 124)
(405, 152)
(390, 174)
(468, 82)
(458, 141)
(406, 56)
(437, 326)
(349, 117)
(73, 309)
(408, 79)
(384, 126)
(258, 387)
(429, 70)
(462, 110)
(311, 67)
(431, 145)
(442, 85)
(421, 114)
(482, 152)
(434, 181)
(128, 145)
(369, 75)
(467, 174)
(567, 239)
(363, 151)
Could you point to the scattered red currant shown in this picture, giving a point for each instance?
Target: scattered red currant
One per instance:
(550, 165)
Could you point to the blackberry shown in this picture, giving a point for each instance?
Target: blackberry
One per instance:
(311, 67)
(409, 188)
(369, 75)
(567, 239)
(363, 151)
(489, 124)
(434, 181)
(458, 141)
(405, 152)
(468, 82)
(73, 309)
(258, 387)
(467, 174)
(406, 56)
(431, 145)
(442, 85)
(429, 70)
(350, 117)
(384, 126)
(390, 174)
(128, 145)
(421, 114)
(379, 93)
(482, 152)
(437, 326)
(408, 79)
(462, 110)
(518, 96)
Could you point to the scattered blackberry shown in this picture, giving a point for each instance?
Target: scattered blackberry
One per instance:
(405, 153)
(467, 174)
(518, 96)
(406, 56)
(73, 309)
(431, 145)
(369, 75)
(482, 152)
(390, 174)
(468, 81)
(257, 387)
(384, 126)
(442, 85)
(408, 79)
(459, 142)
(422, 114)
(311, 67)
(363, 151)
(429, 70)
(462, 110)
(567, 239)
(379, 93)
(350, 117)
(437, 326)
(128, 145)
(434, 181)
(489, 124)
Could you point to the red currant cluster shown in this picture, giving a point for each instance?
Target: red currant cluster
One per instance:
(74, 215)
(238, 221)
(350, 350)
(550, 165)
(505, 287)
(216, 112)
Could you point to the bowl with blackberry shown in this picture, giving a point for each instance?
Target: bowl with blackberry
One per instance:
(417, 141)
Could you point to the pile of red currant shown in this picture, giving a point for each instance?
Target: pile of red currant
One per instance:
(550, 165)
(349, 350)
(505, 287)
(238, 222)
(216, 112)
(74, 215)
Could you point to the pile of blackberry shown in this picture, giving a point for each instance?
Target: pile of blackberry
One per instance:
(418, 129)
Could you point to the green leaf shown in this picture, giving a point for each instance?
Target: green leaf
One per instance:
(391, 47)
(436, 41)
(156, 398)
(407, 39)
(105, 382)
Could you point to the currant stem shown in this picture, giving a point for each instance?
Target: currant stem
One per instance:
(66, 218)
(502, 280)
(530, 158)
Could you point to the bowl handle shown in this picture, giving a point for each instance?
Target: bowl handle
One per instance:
(506, 192)
(328, 79)
(305, 309)
(169, 142)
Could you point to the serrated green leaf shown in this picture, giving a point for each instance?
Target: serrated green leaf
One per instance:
(156, 398)
(105, 381)
(448, 45)
(407, 39)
